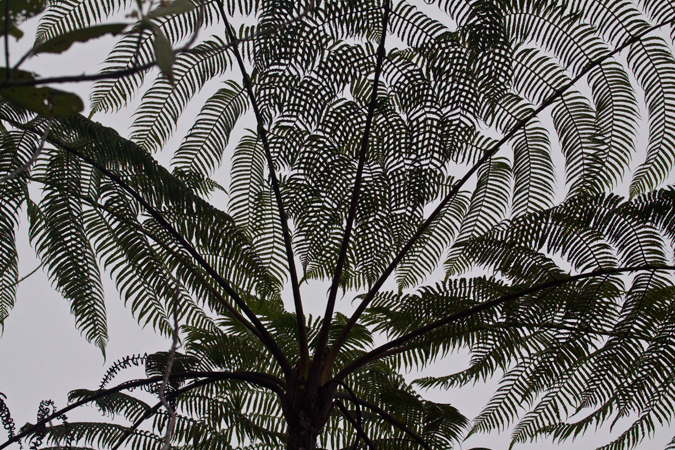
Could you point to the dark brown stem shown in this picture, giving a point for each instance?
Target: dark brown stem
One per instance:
(25, 277)
(167, 371)
(387, 417)
(395, 346)
(356, 424)
(316, 370)
(283, 218)
(455, 189)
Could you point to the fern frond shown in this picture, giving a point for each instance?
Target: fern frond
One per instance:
(134, 50)
(575, 44)
(574, 120)
(162, 105)
(616, 113)
(423, 257)
(203, 147)
(15, 150)
(68, 15)
(616, 21)
(652, 64)
(490, 199)
(62, 242)
(533, 170)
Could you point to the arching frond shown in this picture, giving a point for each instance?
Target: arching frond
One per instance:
(203, 148)
(490, 199)
(68, 15)
(422, 259)
(17, 150)
(62, 242)
(163, 103)
(136, 49)
(652, 65)
(615, 118)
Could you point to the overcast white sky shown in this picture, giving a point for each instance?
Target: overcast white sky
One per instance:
(43, 356)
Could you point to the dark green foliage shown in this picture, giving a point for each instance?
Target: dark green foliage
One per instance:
(548, 277)
(17, 151)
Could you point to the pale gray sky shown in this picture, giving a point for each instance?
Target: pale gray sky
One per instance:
(43, 356)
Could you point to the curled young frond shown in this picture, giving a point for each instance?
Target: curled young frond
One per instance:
(6, 418)
(121, 364)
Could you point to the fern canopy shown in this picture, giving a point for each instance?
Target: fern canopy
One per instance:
(486, 176)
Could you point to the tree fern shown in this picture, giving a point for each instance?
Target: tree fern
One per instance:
(386, 137)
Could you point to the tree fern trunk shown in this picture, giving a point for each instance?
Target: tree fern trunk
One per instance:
(306, 414)
(302, 435)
